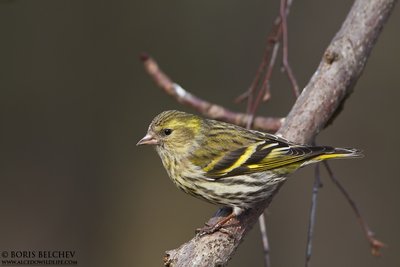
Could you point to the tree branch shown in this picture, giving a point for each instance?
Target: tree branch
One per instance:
(208, 109)
(339, 69)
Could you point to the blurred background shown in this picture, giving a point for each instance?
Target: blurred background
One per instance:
(74, 100)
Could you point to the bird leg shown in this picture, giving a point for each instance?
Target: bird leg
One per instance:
(209, 229)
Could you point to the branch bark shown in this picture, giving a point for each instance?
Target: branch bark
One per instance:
(208, 109)
(335, 77)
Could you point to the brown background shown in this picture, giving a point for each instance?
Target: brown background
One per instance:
(74, 100)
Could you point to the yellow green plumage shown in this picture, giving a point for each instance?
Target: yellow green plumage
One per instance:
(226, 164)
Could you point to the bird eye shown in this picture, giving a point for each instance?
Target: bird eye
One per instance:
(167, 131)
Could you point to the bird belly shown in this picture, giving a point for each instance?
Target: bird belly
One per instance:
(242, 191)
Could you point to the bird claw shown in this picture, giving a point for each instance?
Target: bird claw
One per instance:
(210, 229)
(206, 230)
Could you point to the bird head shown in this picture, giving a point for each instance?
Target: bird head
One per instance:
(173, 130)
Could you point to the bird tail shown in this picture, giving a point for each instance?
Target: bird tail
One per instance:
(338, 153)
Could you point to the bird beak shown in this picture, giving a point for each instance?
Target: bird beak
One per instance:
(148, 140)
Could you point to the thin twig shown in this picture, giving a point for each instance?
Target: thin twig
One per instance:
(208, 109)
(264, 92)
(285, 49)
(268, 74)
(272, 40)
(264, 238)
(311, 224)
(272, 47)
(269, 59)
(375, 244)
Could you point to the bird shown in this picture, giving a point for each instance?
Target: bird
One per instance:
(226, 164)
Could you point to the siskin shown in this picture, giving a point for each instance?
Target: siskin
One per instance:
(226, 164)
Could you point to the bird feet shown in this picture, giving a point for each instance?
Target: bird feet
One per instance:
(218, 226)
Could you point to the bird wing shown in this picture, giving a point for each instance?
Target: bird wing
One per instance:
(269, 154)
